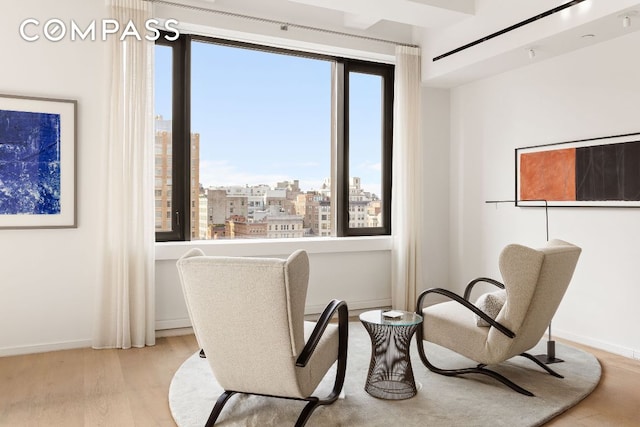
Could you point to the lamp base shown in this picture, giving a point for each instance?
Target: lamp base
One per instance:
(547, 360)
(550, 357)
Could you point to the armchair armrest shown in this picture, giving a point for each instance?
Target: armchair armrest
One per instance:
(471, 284)
(465, 303)
(321, 325)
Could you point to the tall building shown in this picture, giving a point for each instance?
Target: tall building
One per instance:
(195, 186)
(237, 227)
(163, 178)
(163, 168)
(362, 206)
(216, 207)
(292, 190)
(316, 211)
(253, 212)
(203, 225)
(284, 226)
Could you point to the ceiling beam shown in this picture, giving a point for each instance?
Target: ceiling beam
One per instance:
(418, 13)
(464, 6)
(360, 22)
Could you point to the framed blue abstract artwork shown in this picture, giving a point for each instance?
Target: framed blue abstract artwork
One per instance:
(37, 162)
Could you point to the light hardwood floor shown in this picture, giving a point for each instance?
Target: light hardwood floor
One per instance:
(616, 399)
(129, 388)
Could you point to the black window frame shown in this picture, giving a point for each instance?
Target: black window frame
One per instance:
(180, 140)
(181, 134)
(385, 71)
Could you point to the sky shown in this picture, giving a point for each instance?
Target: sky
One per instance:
(265, 117)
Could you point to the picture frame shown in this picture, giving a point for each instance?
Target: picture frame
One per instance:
(37, 162)
(597, 172)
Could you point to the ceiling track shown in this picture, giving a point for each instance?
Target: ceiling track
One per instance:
(508, 29)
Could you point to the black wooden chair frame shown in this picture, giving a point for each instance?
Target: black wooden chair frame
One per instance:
(303, 359)
(480, 368)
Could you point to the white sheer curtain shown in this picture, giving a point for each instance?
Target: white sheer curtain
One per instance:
(407, 199)
(126, 306)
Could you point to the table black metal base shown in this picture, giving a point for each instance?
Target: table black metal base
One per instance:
(390, 372)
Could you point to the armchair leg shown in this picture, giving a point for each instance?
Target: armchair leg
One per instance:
(480, 369)
(542, 365)
(343, 338)
(306, 412)
(215, 413)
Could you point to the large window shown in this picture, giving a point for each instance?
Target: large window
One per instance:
(255, 142)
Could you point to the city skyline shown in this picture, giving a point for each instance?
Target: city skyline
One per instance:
(265, 118)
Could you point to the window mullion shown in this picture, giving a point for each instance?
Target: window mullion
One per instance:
(337, 149)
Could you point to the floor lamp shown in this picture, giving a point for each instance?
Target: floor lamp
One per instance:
(550, 357)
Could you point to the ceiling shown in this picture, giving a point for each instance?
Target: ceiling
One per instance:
(363, 14)
(439, 26)
(399, 17)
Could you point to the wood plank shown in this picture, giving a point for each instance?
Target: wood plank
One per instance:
(130, 387)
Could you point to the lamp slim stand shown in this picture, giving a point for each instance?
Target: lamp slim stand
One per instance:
(550, 357)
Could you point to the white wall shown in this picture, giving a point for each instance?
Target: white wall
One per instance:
(435, 130)
(587, 93)
(357, 270)
(48, 277)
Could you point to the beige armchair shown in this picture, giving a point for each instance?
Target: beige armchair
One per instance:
(248, 317)
(534, 283)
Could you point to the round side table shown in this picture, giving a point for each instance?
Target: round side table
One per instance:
(390, 373)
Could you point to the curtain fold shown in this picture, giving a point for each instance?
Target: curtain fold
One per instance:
(126, 299)
(407, 192)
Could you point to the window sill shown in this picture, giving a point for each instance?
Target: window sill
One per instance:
(268, 247)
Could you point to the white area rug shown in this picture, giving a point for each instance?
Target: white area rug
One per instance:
(443, 401)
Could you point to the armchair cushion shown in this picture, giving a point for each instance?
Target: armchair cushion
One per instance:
(491, 303)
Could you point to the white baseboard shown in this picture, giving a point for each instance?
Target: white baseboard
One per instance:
(174, 332)
(165, 328)
(43, 348)
(174, 327)
(599, 344)
(355, 307)
(162, 325)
